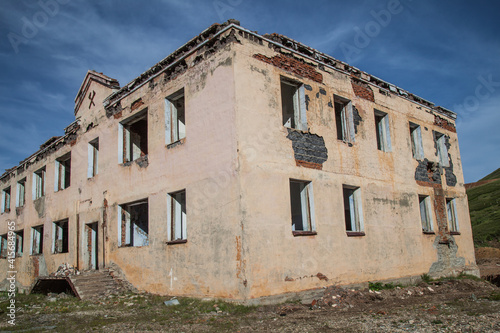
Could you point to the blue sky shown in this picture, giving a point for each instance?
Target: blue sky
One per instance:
(447, 52)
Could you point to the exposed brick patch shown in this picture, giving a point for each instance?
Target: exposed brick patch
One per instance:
(362, 90)
(321, 276)
(293, 65)
(443, 123)
(310, 165)
(137, 104)
(117, 115)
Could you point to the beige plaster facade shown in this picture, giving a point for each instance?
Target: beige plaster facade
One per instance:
(238, 167)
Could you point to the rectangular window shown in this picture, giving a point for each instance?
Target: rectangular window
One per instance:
(442, 149)
(133, 137)
(293, 104)
(3, 246)
(133, 223)
(344, 119)
(39, 183)
(353, 211)
(417, 147)
(19, 242)
(60, 236)
(62, 172)
(21, 193)
(451, 209)
(425, 213)
(93, 158)
(6, 200)
(176, 216)
(301, 204)
(175, 117)
(383, 132)
(37, 240)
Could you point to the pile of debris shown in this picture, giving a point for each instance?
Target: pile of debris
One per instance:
(65, 270)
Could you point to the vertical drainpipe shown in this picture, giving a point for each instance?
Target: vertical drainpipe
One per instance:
(78, 235)
(104, 229)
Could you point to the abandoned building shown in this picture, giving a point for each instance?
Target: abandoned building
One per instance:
(243, 166)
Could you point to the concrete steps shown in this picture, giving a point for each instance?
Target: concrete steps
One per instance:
(93, 284)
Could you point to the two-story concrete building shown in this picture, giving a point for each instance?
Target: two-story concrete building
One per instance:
(242, 166)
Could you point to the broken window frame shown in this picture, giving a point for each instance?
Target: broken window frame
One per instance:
(93, 158)
(21, 193)
(36, 246)
(451, 213)
(39, 183)
(417, 148)
(175, 117)
(6, 195)
(177, 217)
(3, 246)
(383, 132)
(344, 119)
(353, 210)
(426, 219)
(302, 206)
(62, 172)
(131, 144)
(297, 120)
(442, 150)
(19, 242)
(128, 228)
(60, 236)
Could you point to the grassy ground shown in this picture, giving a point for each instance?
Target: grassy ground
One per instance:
(484, 206)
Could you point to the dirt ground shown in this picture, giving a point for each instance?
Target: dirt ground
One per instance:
(488, 261)
(461, 304)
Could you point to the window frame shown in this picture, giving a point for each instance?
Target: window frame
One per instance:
(442, 150)
(21, 193)
(173, 133)
(4, 246)
(451, 216)
(6, 199)
(298, 103)
(346, 121)
(37, 234)
(305, 202)
(128, 225)
(426, 219)
(382, 131)
(62, 172)
(60, 231)
(93, 158)
(19, 248)
(39, 177)
(417, 147)
(354, 204)
(127, 149)
(177, 217)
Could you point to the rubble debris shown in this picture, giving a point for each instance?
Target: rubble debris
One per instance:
(65, 270)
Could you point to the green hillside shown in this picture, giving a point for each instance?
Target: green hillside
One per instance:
(494, 175)
(484, 206)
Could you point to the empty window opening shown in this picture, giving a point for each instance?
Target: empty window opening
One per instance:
(62, 172)
(301, 203)
(37, 240)
(60, 232)
(382, 131)
(353, 211)
(134, 224)
(39, 183)
(177, 216)
(442, 149)
(3, 246)
(293, 105)
(6, 200)
(175, 117)
(21, 193)
(133, 137)
(19, 242)
(93, 158)
(417, 147)
(451, 209)
(344, 119)
(425, 213)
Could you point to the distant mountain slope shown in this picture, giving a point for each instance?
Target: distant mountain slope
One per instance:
(484, 206)
(494, 175)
